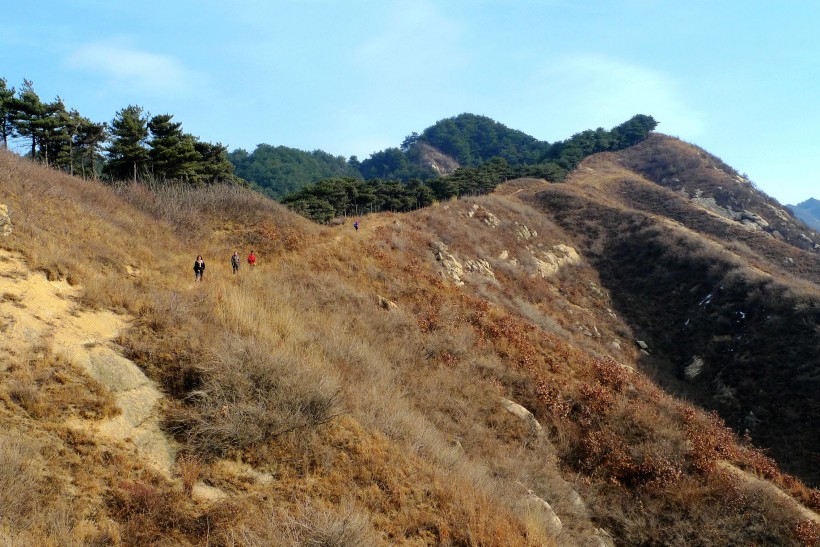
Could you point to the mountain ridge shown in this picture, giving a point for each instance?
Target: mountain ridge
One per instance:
(808, 211)
(358, 386)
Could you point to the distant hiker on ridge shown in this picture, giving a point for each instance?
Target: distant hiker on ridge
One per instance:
(199, 268)
(235, 262)
(251, 260)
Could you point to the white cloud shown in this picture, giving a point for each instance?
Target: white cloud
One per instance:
(134, 69)
(594, 90)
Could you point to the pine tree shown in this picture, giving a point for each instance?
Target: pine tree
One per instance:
(6, 111)
(127, 151)
(173, 154)
(28, 109)
(90, 138)
(214, 165)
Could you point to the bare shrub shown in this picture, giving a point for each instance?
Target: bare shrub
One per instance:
(250, 396)
(26, 395)
(20, 481)
(190, 468)
(306, 525)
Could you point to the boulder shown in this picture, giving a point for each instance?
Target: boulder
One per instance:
(549, 262)
(538, 506)
(514, 408)
(452, 267)
(694, 368)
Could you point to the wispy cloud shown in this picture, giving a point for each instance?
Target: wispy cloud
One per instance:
(599, 90)
(415, 43)
(135, 69)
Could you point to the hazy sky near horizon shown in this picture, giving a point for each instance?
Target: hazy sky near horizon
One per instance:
(738, 78)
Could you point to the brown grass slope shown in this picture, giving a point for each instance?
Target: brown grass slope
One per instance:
(309, 410)
(743, 305)
(702, 177)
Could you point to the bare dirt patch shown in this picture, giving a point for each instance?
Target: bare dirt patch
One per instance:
(36, 313)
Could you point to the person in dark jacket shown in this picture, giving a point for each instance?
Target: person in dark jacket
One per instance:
(199, 267)
(235, 261)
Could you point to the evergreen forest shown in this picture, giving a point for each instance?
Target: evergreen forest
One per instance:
(476, 140)
(136, 146)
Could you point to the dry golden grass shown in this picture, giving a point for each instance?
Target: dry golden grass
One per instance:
(356, 424)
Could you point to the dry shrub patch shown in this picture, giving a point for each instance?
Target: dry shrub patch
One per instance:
(250, 396)
(48, 388)
(259, 367)
(21, 481)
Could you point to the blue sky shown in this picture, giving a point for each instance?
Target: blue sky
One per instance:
(738, 78)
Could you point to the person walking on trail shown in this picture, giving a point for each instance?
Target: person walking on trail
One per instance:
(235, 262)
(251, 260)
(199, 268)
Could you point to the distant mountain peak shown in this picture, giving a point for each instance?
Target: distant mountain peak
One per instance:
(808, 211)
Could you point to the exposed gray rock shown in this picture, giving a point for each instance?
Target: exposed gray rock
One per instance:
(480, 266)
(549, 262)
(452, 267)
(753, 217)
(694, 368)
(524, 232)
(577, 501)
(486, 217)
(643, 345)
(544, 511)
(517, 410)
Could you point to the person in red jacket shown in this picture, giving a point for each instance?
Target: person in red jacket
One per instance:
(251, 260)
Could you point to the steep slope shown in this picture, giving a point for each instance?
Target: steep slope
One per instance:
(729, 310)
(710, 184)
(459, 375)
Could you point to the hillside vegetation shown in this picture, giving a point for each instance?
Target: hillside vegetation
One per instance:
(370, 387)
(730, 311)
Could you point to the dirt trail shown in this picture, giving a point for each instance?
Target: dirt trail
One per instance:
(36, 312)
(772, 489)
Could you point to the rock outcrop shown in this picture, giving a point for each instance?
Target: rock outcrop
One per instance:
(549, 262)
(517, 410)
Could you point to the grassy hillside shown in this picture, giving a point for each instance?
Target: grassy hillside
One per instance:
(730, 312)
(355, 388)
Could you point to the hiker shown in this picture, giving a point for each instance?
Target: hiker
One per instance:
(199, 267)
(356, 225)
(235, 262)
(251, 260)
